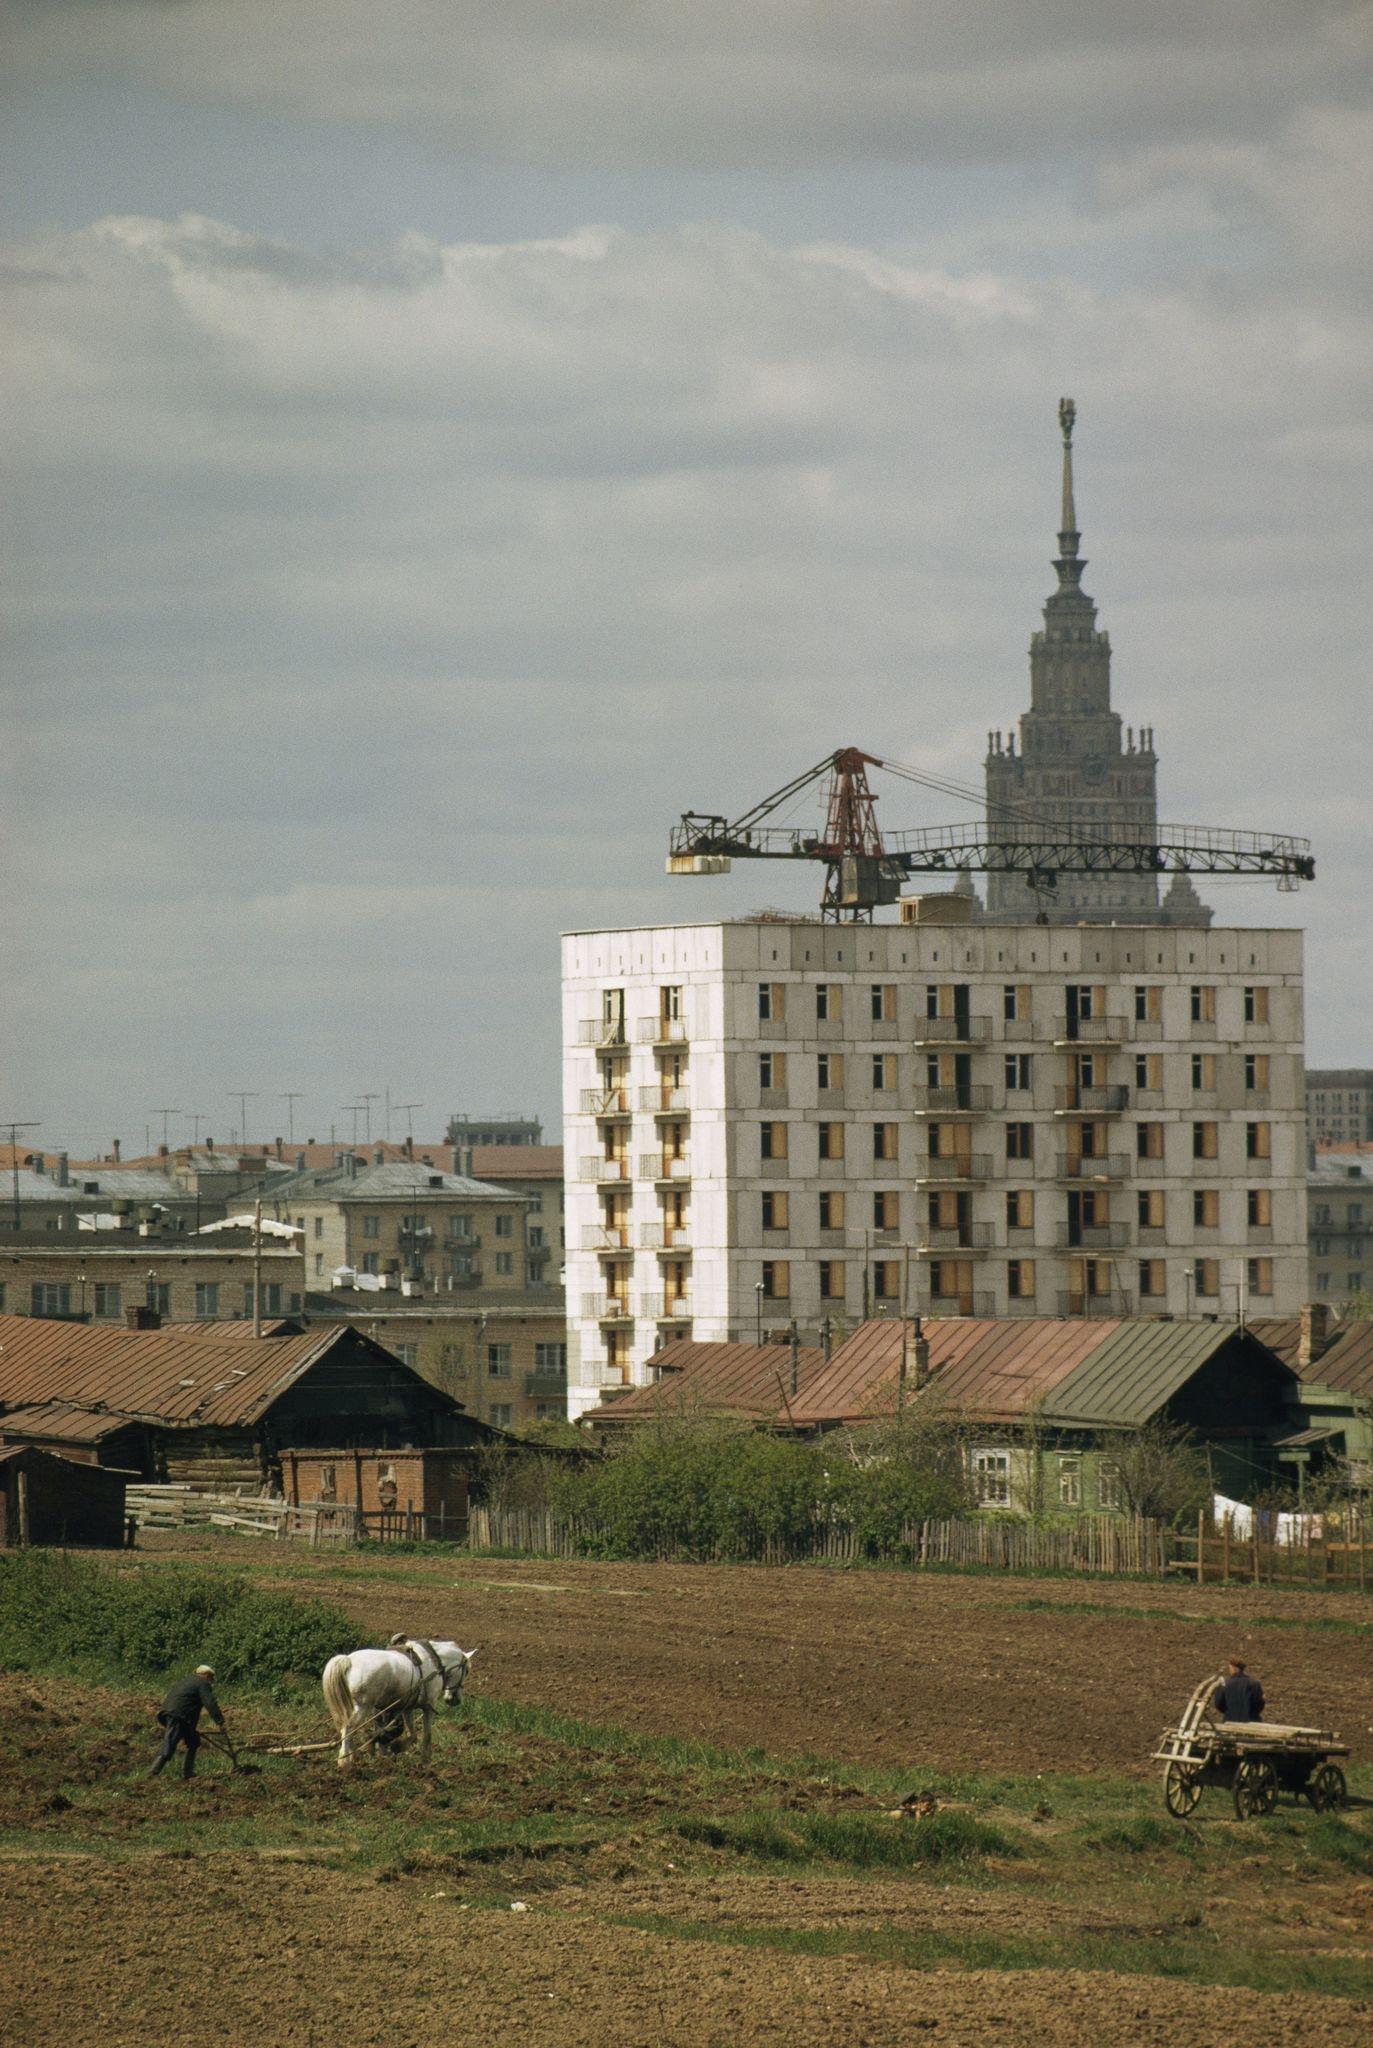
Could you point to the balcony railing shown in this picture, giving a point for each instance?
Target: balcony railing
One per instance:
(664, 1308)
(607, 1308)
(602, 1031)
(983, 1305)
(415, 1233)
(1092, 1237)
(1092, 1031)
(1079, 1166)
(660, 1031)
(974, 1096)
(545, 1386)
(663, 1166)
(471, 1277)
(469, 1243)
(602, 1237)
(605, 1101)
(960, 1166)
(936, 1239)
(951, 1030)
(1099, 1100)
(664, 1100)
(1084, 1304)
(666, 1239)
(593, 1167)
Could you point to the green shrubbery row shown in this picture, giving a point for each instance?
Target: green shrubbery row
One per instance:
(59, 1612)
(711, 1492)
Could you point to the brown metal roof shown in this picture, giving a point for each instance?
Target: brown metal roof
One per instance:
(733, 1379)
(1346, 1362)
(995, 1370)
(58, 1422)
(517, 1162)
(170, 1375)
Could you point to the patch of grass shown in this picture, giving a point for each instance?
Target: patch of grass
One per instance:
(1332, 1840)
(1330, 1623)
(1140, 1833)
(864, 1841)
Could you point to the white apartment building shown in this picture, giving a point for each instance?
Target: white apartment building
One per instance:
(768, 1122)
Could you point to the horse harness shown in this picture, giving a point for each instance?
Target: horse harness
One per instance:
(422, 1677)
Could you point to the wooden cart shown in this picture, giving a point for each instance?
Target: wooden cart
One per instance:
(1254, 1760)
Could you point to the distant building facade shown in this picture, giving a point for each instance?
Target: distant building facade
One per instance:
(1075, 768)
(1339, 1207)
(104, 1276)
(494, 1130)
(1339, 1105)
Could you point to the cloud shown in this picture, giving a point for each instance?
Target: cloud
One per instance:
(377, 613)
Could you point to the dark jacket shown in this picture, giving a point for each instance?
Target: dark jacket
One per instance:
(1239, 1697)
(185, 1700)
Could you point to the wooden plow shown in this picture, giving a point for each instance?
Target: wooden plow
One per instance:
(1253, 1760)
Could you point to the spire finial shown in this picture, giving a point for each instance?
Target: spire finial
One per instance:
(1067, 415)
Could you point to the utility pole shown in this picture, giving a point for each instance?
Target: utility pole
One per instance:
(243, 1096)
(367, 1101)
(257, 1267)
(166, 1115)
(291, 1098)
(14, 1129)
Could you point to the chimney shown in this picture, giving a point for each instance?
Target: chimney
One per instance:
(920, 1359)
(277, 1142)
(209, 1144)
(826, 1337)
(300, 1162)
(408, 1148)
(116, 1151)
(162, 1152)
(378, 1156)
(63, 1171)
(142, 1319)
(40, 1162)
(1315, 1330)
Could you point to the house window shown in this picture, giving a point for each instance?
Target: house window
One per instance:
(1109, 1492)
(319, 1265)
(1260, 1276)
(1256, 1006)
(884, 1141)
(883, 1071)
(1070, 1482)
(1255, 1070)
(158, 1295)
(768, 1065)
(501, 1414)
(1020, 1141)
(550, 1358)
(206, 1300)
(1147, 1003)
(992, 1478)
(1206, 1208)
(1152, 1277)
(831, 1138)
(1015, 1002)
(371, 1262)
(827, 1001)
(505, 1226)
(404, 1352)
(772, 1139)
(1149, 1141)
(1020, 1209)
(109, 1299)
(1203, 1004)
(831, 1210)
(886, 1210)
(776, 1278)
(1258, 1141)
(1148, 1070)
(1205, 1141)
(775, 1211)
(371, 1226)
(1019, 1069)
(535, 1238)
(50, 1298)
(829, 1070)
(1203, 1070)
(831, 1279)
(505, 1262)
(882, 1000)
(319, 1226)
(771, 1002)
(1206, 1276)
(1020, 1279)
(1149, 1208)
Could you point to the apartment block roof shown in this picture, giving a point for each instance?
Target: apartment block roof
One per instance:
(392, 1180)
(518, 1162)
(129, 1183)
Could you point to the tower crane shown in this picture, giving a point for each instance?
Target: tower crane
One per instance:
(863, 869)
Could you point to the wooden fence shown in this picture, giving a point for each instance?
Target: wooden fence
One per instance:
(1092, 1543)
(1216, 1556)
(180, 1507)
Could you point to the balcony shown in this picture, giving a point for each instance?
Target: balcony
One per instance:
(462, 1244)
(981, 1305)
(664, 1308)
(938, 1239)
(605, 1102)
(951, 1031)
(663, 1166)
(593, 1167)
(1092, 1237)
(545, 1386)
(1111, 1166)
(660, 1031)
(666, 1240)
(471, 1277)
(962, 1166)
(664, 1100)
(606, 1031)
(606, 1308)
(1107, 1100)
(1093, 1031)
(1089, 1305)
(415, 1233)
(973, 1097)
(606, 1237)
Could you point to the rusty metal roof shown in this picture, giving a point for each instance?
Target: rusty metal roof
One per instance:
(58, 1422)
(1346, 1361)
(995, 1370)
(517, 1162)
(179, 1376)
(733, 1379)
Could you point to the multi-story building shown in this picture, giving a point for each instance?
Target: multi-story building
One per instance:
(1339, 1210)
(1339, 1105)
(53, 1195)
(768, 1121)
(507, 1129)
(1076, 770)
(504, 1358)
(536, 1172)
(404, 1225)
(104, 1276)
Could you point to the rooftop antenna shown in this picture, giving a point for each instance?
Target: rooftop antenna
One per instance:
(409, 1109)
(197, 1119)
(352, 1109)
(243, 1096)
(166, 1115)
(14, 1129)
(367, 1101)
(291, 1097)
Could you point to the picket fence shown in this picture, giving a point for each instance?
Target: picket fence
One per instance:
(1093, 1543)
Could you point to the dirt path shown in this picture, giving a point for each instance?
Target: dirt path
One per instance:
(876, 1667)
(159, 1955)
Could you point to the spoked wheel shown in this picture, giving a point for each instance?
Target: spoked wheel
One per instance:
(1256, 1788)
(1326, 1789)
(1181, 1789)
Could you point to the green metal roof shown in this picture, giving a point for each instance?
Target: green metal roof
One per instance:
(1130, 1377)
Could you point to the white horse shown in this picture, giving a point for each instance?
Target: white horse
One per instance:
(372, 1693)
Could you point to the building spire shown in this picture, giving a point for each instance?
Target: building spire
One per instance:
(1068, 565)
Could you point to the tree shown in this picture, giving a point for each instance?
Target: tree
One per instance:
(1160, 1469)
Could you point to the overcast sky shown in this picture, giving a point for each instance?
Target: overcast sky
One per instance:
(447, 440)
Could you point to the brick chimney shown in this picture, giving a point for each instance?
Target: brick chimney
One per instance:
(1315, 1332)
(142, 1319)
(116, 1151)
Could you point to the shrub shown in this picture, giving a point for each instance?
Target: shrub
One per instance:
(63, 1613)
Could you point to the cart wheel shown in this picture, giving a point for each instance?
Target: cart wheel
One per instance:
(1256, 1788)
(1326, 1789)
(1181, 1789)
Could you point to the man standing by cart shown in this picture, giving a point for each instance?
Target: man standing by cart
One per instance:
(180, 1715)
(1238, 1697)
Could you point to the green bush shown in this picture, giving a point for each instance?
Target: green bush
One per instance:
(65, 1613)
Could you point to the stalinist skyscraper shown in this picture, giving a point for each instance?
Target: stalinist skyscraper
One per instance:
(1074, 767)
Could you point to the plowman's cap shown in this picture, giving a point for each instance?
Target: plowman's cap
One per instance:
(204, 1671)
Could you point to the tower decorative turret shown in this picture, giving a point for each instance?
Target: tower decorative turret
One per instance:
(1074, 767)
